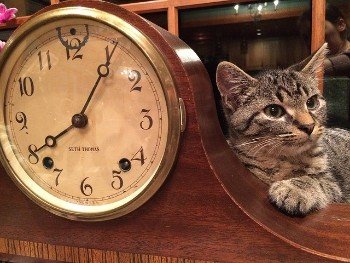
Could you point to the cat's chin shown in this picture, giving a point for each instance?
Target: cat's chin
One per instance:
(297, 150)
(301, 146)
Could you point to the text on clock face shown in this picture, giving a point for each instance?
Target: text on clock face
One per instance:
(83, 149)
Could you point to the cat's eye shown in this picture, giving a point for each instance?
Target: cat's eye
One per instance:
(274, 110)
(312, 103)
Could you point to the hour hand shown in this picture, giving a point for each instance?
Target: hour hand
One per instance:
(51, 141)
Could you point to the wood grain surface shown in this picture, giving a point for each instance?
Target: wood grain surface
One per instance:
(191, 217)
(16, 250)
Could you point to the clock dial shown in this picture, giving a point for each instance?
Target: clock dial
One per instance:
(86, 117)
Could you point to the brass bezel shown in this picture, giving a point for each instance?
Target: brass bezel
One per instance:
(8, 158)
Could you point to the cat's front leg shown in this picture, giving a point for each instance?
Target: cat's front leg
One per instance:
(302, 195)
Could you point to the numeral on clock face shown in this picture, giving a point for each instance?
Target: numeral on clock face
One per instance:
(72, 42)
(118, 183)
(33, 157)
(26, 87)
(139, 156)
(147, 123)
(85, 188)
(76, 54)
(41, 60)
(135, 77)
(58, 171)
(22, 119)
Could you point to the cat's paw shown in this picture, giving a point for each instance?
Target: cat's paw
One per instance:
(297, 197)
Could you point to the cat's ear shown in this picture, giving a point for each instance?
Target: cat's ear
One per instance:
(300, 65)
(233, 82)
(314, 66)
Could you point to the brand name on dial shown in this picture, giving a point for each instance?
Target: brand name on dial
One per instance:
(83, 149)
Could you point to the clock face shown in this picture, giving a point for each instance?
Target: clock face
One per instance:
(86, 117)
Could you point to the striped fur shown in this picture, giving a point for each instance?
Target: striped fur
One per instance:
(302, 161)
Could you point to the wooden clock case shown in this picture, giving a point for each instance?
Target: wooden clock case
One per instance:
(194, 216)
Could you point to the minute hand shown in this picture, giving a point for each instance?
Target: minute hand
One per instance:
(103, 71)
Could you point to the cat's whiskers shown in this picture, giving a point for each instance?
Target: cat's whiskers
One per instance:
(276, 141)
(278, 144)
(254, 140)
(258, 139)
(262, 145)
(275, 147)
(279, 153)
(286, 135)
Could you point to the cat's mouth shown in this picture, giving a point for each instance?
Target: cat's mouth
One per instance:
(299, 137)
(301, 142)
(302, 139)
(297, 142)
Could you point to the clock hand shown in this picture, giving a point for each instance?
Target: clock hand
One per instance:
(103, 71)
(78, 121)
(51, 141)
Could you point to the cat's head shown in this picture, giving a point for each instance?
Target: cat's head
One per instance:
(282, 105)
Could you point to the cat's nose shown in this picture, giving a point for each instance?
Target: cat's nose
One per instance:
(307, 128)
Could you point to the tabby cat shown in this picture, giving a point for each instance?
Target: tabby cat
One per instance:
(277, 129)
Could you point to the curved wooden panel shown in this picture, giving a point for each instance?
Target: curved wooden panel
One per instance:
(325, 233)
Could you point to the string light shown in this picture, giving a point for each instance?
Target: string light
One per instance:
(257, 10)
(236, 7)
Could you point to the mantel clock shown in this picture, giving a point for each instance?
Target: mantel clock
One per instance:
(90, 115)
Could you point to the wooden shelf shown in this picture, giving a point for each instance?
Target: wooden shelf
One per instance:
(243, 18)
(147, 7)
(172, 7)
